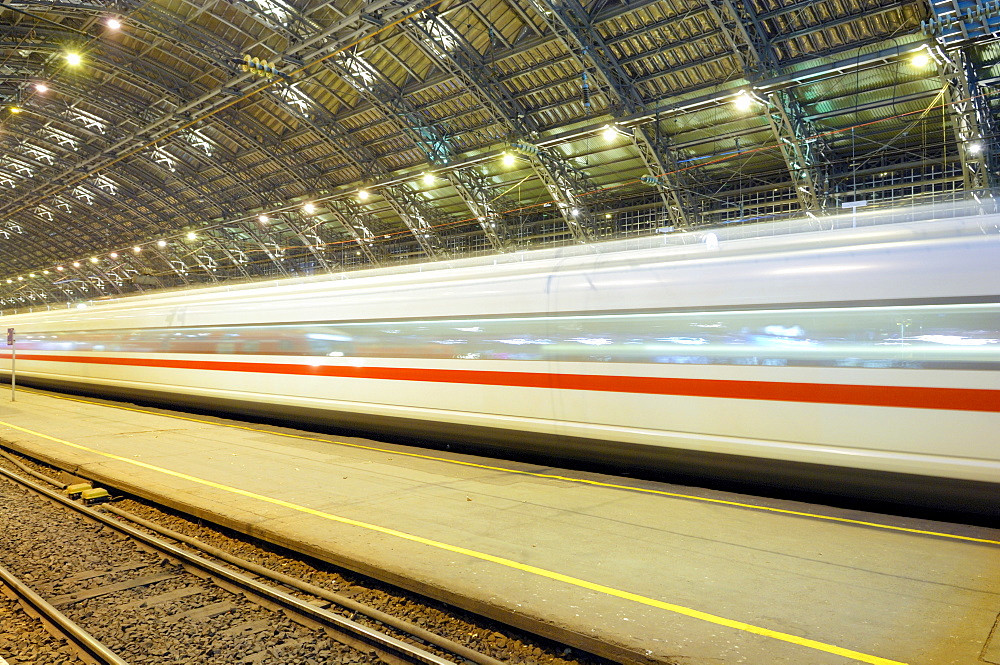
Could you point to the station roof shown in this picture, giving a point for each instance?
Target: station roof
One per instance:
(164, 143)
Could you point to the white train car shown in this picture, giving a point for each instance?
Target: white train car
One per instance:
(863, 361)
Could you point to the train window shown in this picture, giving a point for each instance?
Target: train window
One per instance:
(920, 336)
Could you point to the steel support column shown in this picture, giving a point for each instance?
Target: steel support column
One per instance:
(350, 217)
(745, 35)
(973, 150)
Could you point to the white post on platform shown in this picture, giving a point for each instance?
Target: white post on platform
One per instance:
(13, 359)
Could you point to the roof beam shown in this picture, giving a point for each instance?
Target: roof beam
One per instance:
(412, 212)
(351, 217)
(571, 23)
(451, 50)
(750, 44)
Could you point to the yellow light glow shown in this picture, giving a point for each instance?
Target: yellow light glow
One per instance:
(309, 208)
(192, 235)
(921, 60)
(31, 275)
(114, 24)
(41, 87)
(20, 279)
(73, 59)
(76, 264)
(263, 219)
(93, 259)
(609, 133)
(45, 272)
(362, 194)
(113, 255)
(137, 249)
(161, 243)
(509, 159)
(16, 109)
(428, 178)
(59, 268)
(743, 101)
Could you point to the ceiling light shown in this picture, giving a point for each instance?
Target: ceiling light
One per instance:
(114, 24)
(20, 279)
(161, 243)
(975, 148)
(31, 275)
(428, 178)
(575, 212)
(45, 272)
(609, 133)
(509, 159)
(113, 255)
(743, 101)
(76, 264)
(263, 219)
(309, 208)
(73, 59)
(59, 268)
(192, 235)
(41, 87)
(137, 249)
(15, 109)
(921, 59)
(93, 259)
(362, 194)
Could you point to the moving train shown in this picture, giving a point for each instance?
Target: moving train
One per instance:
(862, 361)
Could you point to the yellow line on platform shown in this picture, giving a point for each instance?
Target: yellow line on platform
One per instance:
(509, 563)
(534, 474)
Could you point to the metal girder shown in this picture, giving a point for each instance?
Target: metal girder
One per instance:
(418, 217)
(987, 124)
(125, 198)
(785, 117)
(367, 162)
(570, 21)
(383, 95)
(745, 35)
(451, 51)
(350, 217)
(254, 233)
(474, 189)
(563, 182)
(208, 102)
(955, 71)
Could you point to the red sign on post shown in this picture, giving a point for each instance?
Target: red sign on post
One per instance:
(10, 336)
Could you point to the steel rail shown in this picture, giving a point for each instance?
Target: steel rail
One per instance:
(79, 639)
(389, 646)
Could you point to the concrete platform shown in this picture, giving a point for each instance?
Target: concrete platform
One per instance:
(688, 579)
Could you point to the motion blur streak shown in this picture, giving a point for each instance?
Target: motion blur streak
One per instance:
(860, 360)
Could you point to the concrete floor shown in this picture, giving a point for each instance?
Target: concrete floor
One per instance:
(600, 560)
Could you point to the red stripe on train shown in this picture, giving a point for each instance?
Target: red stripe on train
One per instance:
(956, 399)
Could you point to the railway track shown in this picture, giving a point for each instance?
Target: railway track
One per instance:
(150, 600)
(56, 623)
